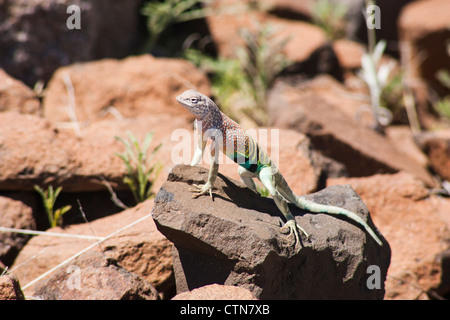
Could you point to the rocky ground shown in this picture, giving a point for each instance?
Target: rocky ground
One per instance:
(64, 136)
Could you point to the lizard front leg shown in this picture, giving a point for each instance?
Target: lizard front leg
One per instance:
(212, 175)
(201, 143)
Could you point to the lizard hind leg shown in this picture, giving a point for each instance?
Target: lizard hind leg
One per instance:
(247, 178)
(266, 176)
(311, 206)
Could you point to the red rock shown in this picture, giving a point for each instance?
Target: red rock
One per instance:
(416, 226)
(14, 214)
(291, 7)
(93, 276)
(436, 145)
(403, 139)
(424, 29)
(302, 38)
(140, 249)
(16, 96)
(10, 288)
(360, 149)
(349, 53)
(47, 155)
(135, 86)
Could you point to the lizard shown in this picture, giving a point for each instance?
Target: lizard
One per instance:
(227, 136)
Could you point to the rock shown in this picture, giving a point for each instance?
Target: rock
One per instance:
(92, 276)
(10, 288)
(74, 164)
(362, 150)
(38, 156)
(355, 21)
(135, 86)
(39, 41)
(305, 10)
(14, 214)
(16, 96)
(436, 145)
(405, 141)
(415, 224)
(349, 53)
(235, 240)
(302, 38)
(144, 251)
(216, 292)
(301, 10)
(424, 30)
(47, 155)
(337, 95)
(140, 249)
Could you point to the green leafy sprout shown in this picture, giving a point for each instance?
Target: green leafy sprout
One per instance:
(331, 17)
(443, 106)
(241, 84)
(48, 199)
(375, 73)
(261, 59)
(139, 173)
(162, 14)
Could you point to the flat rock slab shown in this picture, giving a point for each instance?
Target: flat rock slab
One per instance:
(235, 240)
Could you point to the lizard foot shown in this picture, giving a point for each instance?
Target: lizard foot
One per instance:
(293, 228)
(201, 189)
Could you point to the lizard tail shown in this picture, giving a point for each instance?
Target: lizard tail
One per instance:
(308, 205)
(311, 206)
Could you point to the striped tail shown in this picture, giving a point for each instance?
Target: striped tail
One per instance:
(321, 208)
(311, 206)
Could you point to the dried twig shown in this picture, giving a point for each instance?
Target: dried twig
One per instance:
(52, 234)
(71, 106)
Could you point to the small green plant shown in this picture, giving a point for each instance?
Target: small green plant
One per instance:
(376, 75)
(135, 158)
(48, 199)
(162, 14)
(392, 93)
(443, 107)
(227, 76)
(330, 16)
(261, 59)
(240, 84)
(444, 77)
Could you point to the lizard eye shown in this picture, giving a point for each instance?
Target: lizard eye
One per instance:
(194, 100)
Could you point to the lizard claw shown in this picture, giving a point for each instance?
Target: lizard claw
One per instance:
(293, 228)
(201, 189)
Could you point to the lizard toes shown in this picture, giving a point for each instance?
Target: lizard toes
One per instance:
(293, 228)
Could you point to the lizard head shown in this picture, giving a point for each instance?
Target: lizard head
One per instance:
(197, 103)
